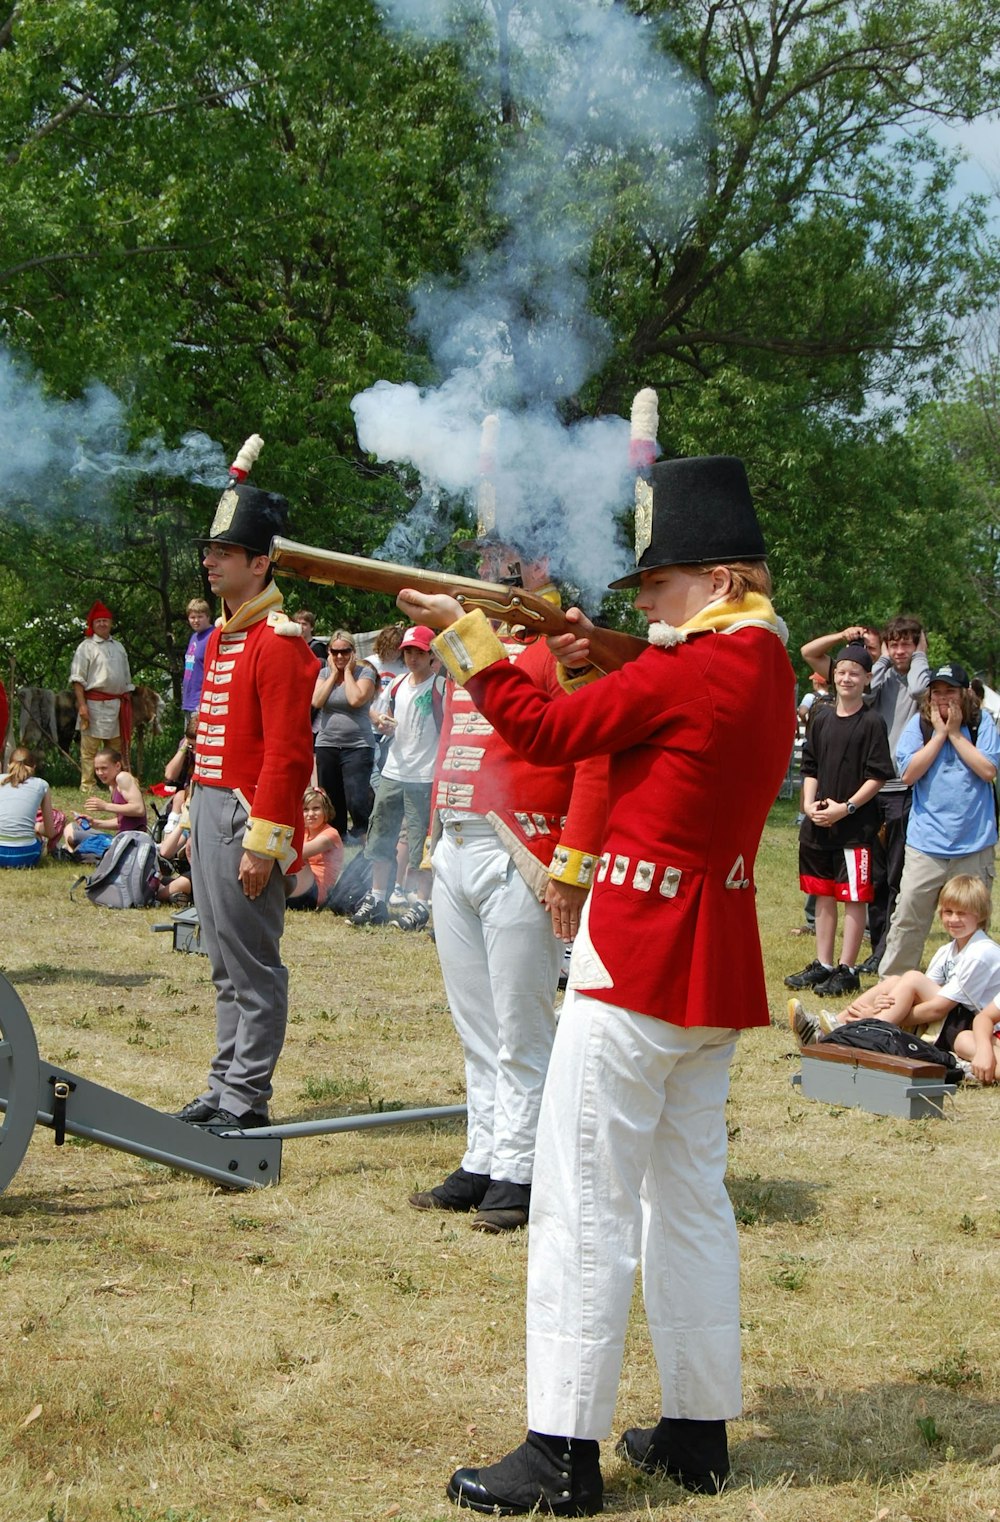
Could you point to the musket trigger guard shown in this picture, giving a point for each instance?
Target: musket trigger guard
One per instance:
(504, 610)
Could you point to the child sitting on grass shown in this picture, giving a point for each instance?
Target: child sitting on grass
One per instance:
(941, 1002)
(322, 851)
(979, 1046)
(176, 846)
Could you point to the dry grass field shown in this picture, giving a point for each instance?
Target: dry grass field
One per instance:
(320, 1351)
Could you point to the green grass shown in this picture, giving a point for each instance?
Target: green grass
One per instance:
(320, 1351)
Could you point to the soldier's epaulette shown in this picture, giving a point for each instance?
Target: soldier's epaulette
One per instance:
(283, 625)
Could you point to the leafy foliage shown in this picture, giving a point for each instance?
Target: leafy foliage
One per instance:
(225, 211)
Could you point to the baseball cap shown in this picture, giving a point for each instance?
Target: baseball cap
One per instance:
(418, 636)
(952, 674)
(856, 653)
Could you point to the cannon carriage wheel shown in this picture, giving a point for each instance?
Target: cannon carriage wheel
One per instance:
(19, 1077)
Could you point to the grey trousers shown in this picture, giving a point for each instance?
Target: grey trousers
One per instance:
(242, 937)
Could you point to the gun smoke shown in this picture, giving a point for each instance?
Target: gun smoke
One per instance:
(609, 143)
(58, 455)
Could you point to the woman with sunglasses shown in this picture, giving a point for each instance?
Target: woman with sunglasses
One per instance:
(345, 743)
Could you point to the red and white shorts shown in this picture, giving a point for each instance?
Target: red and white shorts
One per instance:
(843, 873)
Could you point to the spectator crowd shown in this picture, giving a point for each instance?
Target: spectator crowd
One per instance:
(898, 820)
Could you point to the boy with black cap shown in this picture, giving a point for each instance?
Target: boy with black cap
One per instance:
(666, 970)
(253, 761)
(845, 761)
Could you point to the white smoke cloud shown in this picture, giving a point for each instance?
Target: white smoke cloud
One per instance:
(56, 453)
(609, 121)
(557, 487)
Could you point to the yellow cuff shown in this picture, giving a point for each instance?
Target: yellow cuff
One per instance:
(468, 647)
(569, 683)
(574, 867)
(267, 839)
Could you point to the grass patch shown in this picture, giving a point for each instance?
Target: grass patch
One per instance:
(320, 1350)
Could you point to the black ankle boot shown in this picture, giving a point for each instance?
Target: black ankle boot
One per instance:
(695, 1454)
(553, 1474)
(460, 1191)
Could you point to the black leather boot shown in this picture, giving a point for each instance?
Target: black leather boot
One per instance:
(460, 1191)
(559, 1475)
(695, 1454)
(504, 1207)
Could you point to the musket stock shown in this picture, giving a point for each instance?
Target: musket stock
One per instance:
(521, 610)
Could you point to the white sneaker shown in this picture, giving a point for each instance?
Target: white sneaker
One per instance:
(805, 1027)
(398, 900)
(829, 1021)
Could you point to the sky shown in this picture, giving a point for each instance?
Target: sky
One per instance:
(980, 142)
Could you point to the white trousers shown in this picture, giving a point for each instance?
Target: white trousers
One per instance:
(500, 963)
(631, 1154)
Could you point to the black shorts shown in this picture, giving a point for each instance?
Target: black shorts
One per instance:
(840, 872)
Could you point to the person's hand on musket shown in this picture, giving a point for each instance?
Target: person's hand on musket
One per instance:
(434, 608)
(572, 648)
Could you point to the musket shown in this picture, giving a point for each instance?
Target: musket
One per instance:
(522, 611)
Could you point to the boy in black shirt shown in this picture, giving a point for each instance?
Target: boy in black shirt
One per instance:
(845, 761)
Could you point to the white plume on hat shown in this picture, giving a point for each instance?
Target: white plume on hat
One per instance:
(642, 453)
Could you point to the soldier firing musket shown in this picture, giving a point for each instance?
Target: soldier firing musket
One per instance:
(522, 611)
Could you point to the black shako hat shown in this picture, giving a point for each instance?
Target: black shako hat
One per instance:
(248, 517)
(702, 512)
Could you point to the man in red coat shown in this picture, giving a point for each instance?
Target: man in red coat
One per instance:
(515, 847)
(253, 761)
(666, 970)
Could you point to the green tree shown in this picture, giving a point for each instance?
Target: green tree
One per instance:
(828, 246)
(965, 432)
(219, 210)
(224, 212)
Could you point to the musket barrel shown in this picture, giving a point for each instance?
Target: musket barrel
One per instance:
(610, 648)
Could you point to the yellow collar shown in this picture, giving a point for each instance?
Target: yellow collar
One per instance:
(268, 600)
(755, 612)
(723, 617)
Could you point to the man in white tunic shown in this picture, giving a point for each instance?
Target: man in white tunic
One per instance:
(101, 682)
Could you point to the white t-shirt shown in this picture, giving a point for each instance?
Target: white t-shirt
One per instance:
(415, 739)
(970, 977)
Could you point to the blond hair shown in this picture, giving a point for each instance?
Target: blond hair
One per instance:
(747, 576)
(22, 766)
(968, 894)
(198, 605)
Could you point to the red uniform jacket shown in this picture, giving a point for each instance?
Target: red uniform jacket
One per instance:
(699, 737)
(549, 813)
(254, 730)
